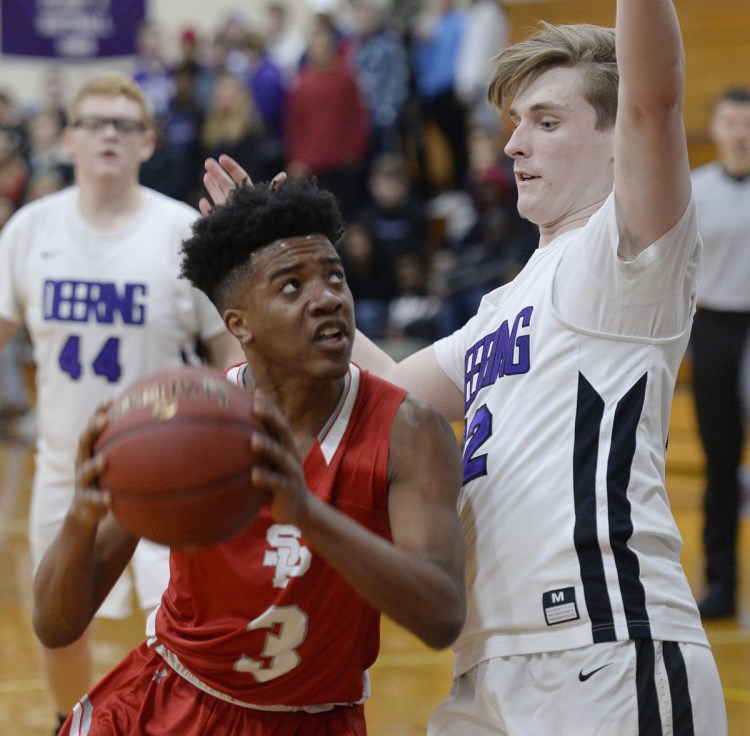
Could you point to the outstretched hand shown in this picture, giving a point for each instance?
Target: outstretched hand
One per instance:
(221, 177)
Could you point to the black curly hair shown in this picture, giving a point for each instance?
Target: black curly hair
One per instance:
(218, 252)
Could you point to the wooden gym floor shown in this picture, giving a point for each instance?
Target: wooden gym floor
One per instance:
(408, 679)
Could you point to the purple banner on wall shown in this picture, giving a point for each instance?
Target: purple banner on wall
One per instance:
(70, 29)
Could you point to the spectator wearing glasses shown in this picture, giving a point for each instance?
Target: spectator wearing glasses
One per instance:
(93, 273)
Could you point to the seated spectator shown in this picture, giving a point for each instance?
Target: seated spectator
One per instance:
(15, 399)
(370, 277)
(233, 32)
(434, 56)
(14, 171)
(45, 151)
(52, 99)
(395, 215)
(215, 64)
(180, 130)
(189, 53)
(167, 170)
(495, 247)
(234, 126)
(326, 125)
(11, 117)
(286, 45)
(415, 313)
(382, 67)
(326, 12)
(151, 70)
(267, 84)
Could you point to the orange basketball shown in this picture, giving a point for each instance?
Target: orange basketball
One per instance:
(179, 458)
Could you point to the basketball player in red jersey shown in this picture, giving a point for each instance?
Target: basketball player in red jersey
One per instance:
(273, 631)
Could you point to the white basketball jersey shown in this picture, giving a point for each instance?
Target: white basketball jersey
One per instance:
(568, 374)
(102, 308)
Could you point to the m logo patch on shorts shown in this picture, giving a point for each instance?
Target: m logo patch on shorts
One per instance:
(560, 606)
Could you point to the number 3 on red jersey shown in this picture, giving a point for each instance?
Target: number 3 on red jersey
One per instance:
(288, 626)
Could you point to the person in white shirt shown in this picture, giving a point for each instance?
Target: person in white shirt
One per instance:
(580, 616)
(93, 273)
(720, 339)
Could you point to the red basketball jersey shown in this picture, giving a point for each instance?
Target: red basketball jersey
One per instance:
(262, 618)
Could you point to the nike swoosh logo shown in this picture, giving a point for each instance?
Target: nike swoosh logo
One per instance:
(583, 677)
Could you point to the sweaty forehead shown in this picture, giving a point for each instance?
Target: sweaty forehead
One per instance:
(290, 250)
(554, 88)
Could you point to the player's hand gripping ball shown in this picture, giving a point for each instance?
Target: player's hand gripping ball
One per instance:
(179, 458)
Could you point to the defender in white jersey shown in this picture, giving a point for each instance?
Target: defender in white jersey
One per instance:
(580, 618)
(93, 273)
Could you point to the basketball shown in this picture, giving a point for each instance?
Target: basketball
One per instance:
(179, 458)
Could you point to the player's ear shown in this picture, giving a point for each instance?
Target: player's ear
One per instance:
(148, 145)
(234, 319)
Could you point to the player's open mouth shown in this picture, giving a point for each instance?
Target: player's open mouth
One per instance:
(330, 333)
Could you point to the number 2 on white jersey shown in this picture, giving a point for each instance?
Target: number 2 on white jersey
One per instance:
(475, 435)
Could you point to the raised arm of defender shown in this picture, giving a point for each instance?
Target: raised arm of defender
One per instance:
(652, 173)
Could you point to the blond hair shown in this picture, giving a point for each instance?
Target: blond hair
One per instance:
(587, 46)
(224, 123)
(113, 84)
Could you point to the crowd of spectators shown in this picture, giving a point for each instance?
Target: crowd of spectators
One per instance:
(383, 102)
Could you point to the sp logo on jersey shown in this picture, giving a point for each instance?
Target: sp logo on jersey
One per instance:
(290, 558)
(560, 606)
